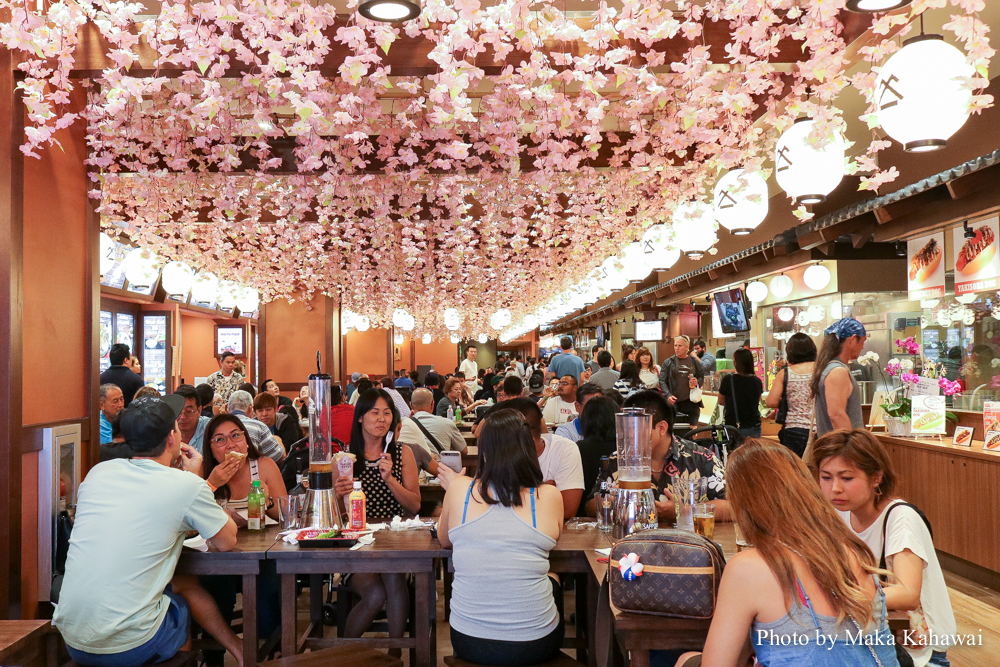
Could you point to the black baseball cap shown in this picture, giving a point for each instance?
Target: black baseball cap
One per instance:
(536, 383)
(147, 421)
(432, 378)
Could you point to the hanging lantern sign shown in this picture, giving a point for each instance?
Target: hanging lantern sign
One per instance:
(807, 173)
(921, 94)
(816, 277)
(425, 339)
(452, 320)
(107, 250)
(362, 323)
(657, 248)
(177, 278)
(756, 291)
(247, 300)
(741, 201)
(227, 294)
(781, 286)
(694, 229)
(141, 268)
(611, 274)
(633, 262)
(205, 288)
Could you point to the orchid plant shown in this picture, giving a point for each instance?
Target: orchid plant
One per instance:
(474, 183)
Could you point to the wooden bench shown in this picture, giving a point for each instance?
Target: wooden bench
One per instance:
(341, 656)
(561, 660)
(182, 659)
(27, 643)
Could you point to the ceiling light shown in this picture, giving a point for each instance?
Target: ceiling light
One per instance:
(611, 274)
(227, 294)
(482, 338)
(807, 173)
(657, 248)
(634, 266)
(922, 97)
(390, 11)
(425, 339)
(740, 201)
(694, 229)
(247, 300)
(872, 6)
(205, 288)
(816, 277)
(452, 320)
(362, 323)
(756, 291)
(177, 278)
(454, 338)
(398, 339)
(781, 286)
(141, 268)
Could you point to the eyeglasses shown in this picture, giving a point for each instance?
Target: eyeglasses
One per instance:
(235, 436)
(190, 411)
(567, 384)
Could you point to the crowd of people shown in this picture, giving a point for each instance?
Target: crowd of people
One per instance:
(835, 547)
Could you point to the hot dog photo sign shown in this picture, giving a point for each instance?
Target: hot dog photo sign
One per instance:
(925, 267)
(977, 263)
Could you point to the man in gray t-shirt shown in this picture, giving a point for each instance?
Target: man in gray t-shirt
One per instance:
(677, 375)
(120, 601)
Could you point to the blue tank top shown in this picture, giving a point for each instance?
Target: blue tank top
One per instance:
(801, 637)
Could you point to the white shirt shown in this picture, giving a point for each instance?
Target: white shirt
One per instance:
(410, 434)
(471, 371)
(906, 530)
(561, 463)
(557, 411)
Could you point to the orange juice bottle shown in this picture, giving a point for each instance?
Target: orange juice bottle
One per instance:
(356, 502)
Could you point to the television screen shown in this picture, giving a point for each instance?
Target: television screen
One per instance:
(651, 331)
(599, 333)
(733, 310)
(230, 339)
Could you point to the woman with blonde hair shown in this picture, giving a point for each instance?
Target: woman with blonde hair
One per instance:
(649, 372)
(856, 475)
(808, 582)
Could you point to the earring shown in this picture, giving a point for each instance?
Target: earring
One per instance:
(878, 492)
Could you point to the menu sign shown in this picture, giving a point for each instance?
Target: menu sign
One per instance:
(977, 264)
(991, 416)
(927, 415)
(925, 270)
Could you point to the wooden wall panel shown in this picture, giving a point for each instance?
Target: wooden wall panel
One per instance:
(197, 347)
(368, 352)
(441, 354)
(958, 488)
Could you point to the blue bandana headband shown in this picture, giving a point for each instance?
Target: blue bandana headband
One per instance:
(846, 328)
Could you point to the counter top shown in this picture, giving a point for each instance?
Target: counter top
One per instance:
(975, 450)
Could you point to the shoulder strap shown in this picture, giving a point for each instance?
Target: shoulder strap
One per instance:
(427, 434)
(468, 494)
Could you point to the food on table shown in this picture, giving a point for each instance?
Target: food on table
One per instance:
(977, 251)
(925, 263)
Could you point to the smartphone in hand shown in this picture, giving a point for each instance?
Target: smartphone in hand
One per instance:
(453, 460)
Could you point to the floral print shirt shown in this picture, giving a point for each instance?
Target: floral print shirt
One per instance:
(224, 386)
(688, 461)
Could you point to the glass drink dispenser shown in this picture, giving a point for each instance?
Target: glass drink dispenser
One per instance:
(635, 508)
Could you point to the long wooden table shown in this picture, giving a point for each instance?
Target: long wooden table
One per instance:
(405, 552)
(28, 642)
(244, 560)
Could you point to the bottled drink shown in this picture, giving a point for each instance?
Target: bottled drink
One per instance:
(458, 415)
(356, 503)
(255, 507)
(451, 413)
(605, 520)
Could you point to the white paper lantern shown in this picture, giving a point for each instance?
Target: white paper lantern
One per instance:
(802, 318)
(657, 248)
(227, 294)
(806, 173)
(347, 320)
(756, 291)
(247, 300)
(177, 278)
(817, 313)
(633, 261)
(452, 319)
(786, 314)
(872, 6)
(425, 339)
(944, 317)
(141, 268)
(741, 200)
(530, 322)
(694, 229)
(205, 288)
(408, 323)
(362, 323)
(482, 338)
(612, 277)
(969, 317)
(921, 99)
(398, 339)
(781, 286)
(503, 318)
(454, 338)
(399, 317)
(107, 251)
(816, 277)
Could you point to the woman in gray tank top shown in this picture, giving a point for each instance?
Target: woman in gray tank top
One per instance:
(836, 392)
(501, 526)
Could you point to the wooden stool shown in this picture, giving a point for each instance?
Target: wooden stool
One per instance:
(182, 659)
(561, 660)
(342, 656)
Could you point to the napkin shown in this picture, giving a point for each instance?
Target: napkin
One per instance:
(604, 552)
(363, 541)
(197, 543)
(399, 523)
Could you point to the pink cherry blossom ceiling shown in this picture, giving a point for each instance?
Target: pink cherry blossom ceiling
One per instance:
(483, 155)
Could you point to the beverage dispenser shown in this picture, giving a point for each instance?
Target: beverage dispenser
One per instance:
(635, 507)
(322, 507)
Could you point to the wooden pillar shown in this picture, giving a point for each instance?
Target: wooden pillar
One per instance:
(11, 244)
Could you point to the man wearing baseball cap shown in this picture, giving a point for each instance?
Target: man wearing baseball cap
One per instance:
(536, 385)
(120, 603)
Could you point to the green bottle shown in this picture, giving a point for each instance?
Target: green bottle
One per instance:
(255, 507)
(458, 415)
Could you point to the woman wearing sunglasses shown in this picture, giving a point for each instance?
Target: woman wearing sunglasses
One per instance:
(232, 464)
